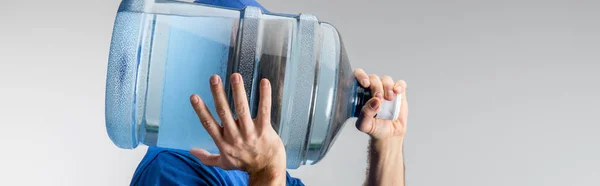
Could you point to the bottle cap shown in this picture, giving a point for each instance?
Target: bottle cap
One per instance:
(390, 109)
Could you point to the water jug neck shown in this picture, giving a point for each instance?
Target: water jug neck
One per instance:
(387, 109)
(362, 96)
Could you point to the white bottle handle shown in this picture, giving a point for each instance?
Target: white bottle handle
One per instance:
(390, 110)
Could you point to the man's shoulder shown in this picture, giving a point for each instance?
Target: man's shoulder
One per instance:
(163, 166)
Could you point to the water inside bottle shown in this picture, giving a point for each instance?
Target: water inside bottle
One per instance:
(179, 54)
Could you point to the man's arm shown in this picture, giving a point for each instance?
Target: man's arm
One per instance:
(386, 161)
(267, 177)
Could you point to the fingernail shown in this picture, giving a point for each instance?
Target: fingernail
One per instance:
(214, 80)
(374, 104)
(235, 79)
(265, 83)
(379, 95)
(365, 82)
(194, 99)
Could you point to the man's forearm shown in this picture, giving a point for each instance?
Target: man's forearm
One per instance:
(268, 178)
(386, 162)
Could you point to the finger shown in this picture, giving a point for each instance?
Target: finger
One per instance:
(205, 157)
(264, 114)
(208, 121)
(400, 124)
(245, 123)
(388, 88)
(362, 77)
(366, 120)
(399, 86)
(376, 86)
(403, 117)
(223, 110)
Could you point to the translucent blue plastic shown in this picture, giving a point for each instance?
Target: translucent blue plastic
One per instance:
(164, 51)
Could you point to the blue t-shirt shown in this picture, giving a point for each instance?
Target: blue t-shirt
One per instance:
(162, 166)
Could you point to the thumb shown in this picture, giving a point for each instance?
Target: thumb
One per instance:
(366, 120)
(205, 157)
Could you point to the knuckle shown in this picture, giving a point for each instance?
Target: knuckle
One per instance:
(238, 141)
(402, 83)
(230, 151)
(373, 76)
(363, 125)
(222, 112)
(241, 110)
(375, 83)
(207, 122)
(368, 110)
(388, 81)
(264, 110)
(251, 138)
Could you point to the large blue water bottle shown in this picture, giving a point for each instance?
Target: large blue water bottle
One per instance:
(163, 51)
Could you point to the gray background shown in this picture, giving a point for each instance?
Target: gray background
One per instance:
(501, 92)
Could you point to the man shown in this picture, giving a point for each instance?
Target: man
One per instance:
(251, 151)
